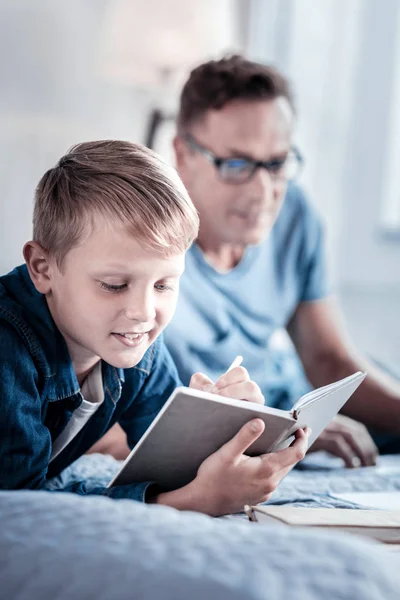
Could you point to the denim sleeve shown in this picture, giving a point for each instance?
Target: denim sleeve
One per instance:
(25, 446)
(25, 441)
(160, 382)
(162, 378)
(132, 491)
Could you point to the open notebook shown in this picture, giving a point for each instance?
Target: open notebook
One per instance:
(192, 425)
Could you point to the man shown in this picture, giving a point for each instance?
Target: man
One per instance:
(258, 264)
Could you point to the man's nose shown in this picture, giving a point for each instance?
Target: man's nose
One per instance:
(261, 186)
(141, 308)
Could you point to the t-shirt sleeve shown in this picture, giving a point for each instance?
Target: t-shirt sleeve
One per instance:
(313, 279)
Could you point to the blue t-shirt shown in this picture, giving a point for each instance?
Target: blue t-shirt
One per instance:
(221, 315)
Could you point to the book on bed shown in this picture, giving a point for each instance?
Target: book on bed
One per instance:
(193, 424)
(382, 525)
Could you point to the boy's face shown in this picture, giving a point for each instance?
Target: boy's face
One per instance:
(112, 297)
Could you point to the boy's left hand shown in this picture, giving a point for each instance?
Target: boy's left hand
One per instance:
(235, 383)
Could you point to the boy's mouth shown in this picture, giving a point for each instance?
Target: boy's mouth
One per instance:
(131, 339)
(131, 336)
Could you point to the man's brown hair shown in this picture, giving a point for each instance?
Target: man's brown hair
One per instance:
(213, 84)
(125, 183)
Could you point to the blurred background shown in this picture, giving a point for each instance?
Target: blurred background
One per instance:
(93, 69)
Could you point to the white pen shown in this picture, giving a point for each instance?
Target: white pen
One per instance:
(238, 361)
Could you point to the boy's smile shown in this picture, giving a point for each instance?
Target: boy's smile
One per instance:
(112, 297)
(131, 339)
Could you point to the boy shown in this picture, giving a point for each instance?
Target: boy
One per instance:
(80, 325)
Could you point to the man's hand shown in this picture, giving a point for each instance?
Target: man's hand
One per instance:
(228, 479)
(349, 440)
(232, 384)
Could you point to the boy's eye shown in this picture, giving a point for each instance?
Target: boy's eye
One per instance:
(161, 287)
(112, 288)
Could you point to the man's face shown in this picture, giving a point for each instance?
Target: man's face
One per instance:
(112, 297)
(237, 213)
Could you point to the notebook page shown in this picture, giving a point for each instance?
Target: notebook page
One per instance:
(323, 391)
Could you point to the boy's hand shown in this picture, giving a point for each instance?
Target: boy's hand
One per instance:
(232, 384)
(228, 479)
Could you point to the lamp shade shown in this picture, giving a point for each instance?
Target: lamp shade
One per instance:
(145, 41)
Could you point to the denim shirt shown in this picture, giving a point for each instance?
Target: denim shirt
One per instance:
(39, 391)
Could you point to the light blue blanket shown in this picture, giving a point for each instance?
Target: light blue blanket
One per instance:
(315, 483)
(60, 546)
(321, 477)
(63, 547)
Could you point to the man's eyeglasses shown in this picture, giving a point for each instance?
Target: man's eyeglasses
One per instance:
(240, 170)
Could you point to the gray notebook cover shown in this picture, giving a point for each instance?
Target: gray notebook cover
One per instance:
(192, 425)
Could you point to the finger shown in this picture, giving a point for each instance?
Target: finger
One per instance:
(302, 434)
(374, 456)
(238, 445)
(236, 375)
(362, 445)
(361, 448)
(246, 390)
(199, 381)
(338, 446)
(299, 433)
(286, 459)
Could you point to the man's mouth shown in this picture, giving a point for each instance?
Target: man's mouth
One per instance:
(253, 216)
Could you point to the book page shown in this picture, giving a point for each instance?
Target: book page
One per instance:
(314, 395)
(337, 517)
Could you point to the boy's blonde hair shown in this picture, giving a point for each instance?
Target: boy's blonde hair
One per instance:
(124, 182)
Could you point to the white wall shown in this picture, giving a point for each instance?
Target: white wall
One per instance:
(369, 257)
(340, 56)
(53, 94)
(338, 53)
(89, 69)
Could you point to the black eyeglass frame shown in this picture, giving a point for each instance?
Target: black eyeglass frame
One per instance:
(219, 161)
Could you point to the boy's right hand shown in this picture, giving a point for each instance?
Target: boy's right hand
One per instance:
(228, 479)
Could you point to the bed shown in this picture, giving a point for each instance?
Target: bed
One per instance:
(61, 546)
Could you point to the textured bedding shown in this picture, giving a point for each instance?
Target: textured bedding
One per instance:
(320, 477)
(62, 547)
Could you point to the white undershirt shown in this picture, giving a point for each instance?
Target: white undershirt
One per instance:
(93, 395)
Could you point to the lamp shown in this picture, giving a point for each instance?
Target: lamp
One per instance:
(153, 44)
(150, 42)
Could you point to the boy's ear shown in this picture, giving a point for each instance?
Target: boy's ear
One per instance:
(37, 261)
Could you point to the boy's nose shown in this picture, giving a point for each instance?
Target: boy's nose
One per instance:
(141, 310)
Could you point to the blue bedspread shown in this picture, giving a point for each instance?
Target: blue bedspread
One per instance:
(315, 483)
(322, 476)
(62, 546)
